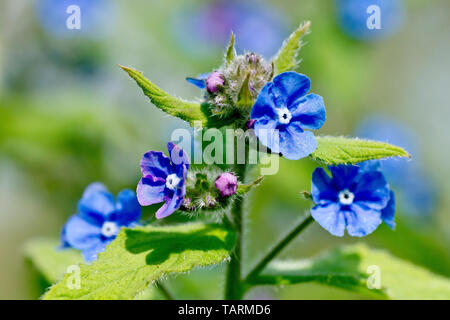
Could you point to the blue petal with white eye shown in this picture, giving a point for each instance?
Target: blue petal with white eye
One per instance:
(355, 198)
(85, 230)
(284, 105)
(164, 185)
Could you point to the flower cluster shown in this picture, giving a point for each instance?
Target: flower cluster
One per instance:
(165, 179)
(99, 220)
(356, 198)
(280, 109)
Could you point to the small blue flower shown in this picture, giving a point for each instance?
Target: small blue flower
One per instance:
(282, 112)
(356, 198)
(163, 179)
(99, 220)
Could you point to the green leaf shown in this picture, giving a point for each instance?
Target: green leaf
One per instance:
(340, 150)
(151, 293)
(287, 58)
(231, 51)
(352, 267)
(245, 96)
(142, 255)
(244, 188)
(185, 110)
(50, 261)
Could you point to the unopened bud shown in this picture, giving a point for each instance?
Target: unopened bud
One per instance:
(214, 81)
(226, 183)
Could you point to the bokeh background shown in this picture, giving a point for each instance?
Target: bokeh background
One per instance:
(70, 116)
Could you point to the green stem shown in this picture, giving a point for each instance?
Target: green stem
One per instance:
(164, 291)
(278, 248)
(234, 285)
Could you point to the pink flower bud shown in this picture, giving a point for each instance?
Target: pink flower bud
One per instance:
(214, 81)
(226, 183)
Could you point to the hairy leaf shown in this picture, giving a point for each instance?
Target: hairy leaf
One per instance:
(244, 188)
(185, 110)
(142, 255)
(245, 96)
(287, 58)
(50, 261)
(340, 150)
(357, 268)
(231, 51)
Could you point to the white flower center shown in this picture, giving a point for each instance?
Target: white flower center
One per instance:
(172, 181)
(284, 116)
(110, 229)
(346, 197)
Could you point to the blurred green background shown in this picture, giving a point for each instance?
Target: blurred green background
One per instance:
(70, 116)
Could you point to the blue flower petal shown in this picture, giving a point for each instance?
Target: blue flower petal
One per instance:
(91, 254)
(128, 209)
(150, 190)
(155, 163)
(372, 190)
(362, 220)
(96, 204)
(268, 135)
(370, 165)
(388, 213)
(321, 187)
(264, 109)
(309, 111)
(171, 204)
(81, 234)
(330, 218)
(199, 82)
(291, 86)
(343, 176)
(63, 239)
(177, 155)
(295, 144)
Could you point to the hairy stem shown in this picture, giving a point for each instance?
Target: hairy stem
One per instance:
(278, 248)
(233, 287)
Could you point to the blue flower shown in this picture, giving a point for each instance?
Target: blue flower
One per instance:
(163, 179)
(356, 198)
(283, 110)
(99, 220)
(415, 190)
(353, 16)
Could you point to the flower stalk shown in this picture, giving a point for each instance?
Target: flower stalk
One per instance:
(278, 248)
(234, 289)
